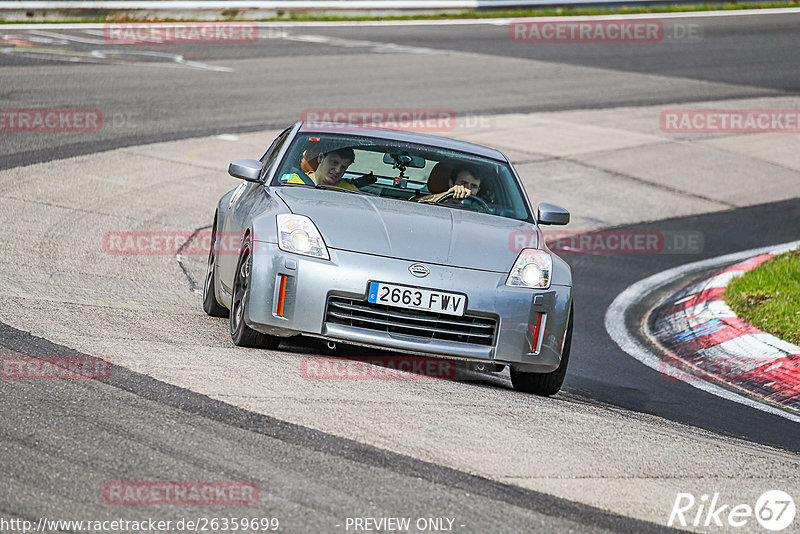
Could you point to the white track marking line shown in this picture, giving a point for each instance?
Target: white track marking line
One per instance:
(100, 57)
(615, 322)
(376, 46)
(455, 22)
(68, 37)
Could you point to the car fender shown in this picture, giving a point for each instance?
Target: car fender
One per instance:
(561, 274)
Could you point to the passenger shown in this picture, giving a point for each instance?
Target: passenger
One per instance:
(330, 168)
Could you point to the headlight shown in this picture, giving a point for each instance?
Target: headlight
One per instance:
(296, 233)
(532, 269)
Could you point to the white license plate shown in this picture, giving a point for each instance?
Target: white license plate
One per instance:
(415, 298)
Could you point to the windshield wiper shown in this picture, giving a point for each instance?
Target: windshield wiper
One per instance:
(337, 188)
(449, 205)
(333, 188)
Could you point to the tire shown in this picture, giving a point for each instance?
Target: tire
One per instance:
(210, 304)
(241, 334)
(545, 384)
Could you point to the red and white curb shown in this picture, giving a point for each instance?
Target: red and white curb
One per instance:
(629, 342)
(708, 341)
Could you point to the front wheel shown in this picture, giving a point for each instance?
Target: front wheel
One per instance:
(241, 334)
(545, 383)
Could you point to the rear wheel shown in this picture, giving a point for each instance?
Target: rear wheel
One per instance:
(210, 304)
(545, 383)
(241, 334)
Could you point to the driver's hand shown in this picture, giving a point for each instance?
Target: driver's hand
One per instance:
(459, 192)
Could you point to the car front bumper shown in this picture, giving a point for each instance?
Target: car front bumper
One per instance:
(309, 282)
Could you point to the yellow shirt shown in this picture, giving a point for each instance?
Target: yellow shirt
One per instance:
(307, 179)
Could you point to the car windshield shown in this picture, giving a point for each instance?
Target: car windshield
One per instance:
(402, 171)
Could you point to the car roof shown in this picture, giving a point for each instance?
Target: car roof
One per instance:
(401, 135)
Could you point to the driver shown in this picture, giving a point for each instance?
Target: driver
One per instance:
(331, 166)
(462, 184)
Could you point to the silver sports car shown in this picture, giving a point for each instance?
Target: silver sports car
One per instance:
(392, 240)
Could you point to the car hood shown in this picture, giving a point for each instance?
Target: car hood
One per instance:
(412, 231)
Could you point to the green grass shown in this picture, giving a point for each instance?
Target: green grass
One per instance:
(769, 296)
(472, 14)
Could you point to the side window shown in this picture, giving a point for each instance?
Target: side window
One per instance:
(268, 159)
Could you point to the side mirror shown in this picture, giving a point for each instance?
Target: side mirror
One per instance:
(246, 169)
(552, 214)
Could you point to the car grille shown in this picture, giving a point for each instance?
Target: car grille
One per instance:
(429, 325)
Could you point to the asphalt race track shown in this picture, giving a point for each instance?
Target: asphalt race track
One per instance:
(608, 453)
(468, 69)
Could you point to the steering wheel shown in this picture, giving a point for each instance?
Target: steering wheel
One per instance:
(479, 202)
